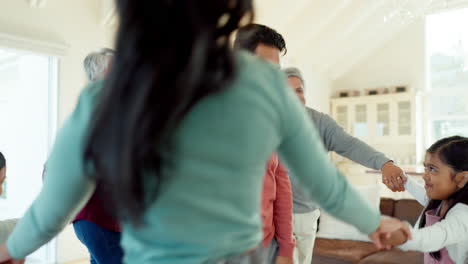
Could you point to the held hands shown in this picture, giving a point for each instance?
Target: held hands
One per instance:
(396, 238)
(391, 232)
(14, 261)
(393, 177)
(284, 260)
(5, 257)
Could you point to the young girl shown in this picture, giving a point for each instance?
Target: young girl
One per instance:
(442, 230)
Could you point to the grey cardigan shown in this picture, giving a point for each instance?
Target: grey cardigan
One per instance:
(335, 139)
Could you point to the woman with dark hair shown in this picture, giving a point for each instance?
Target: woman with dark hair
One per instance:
(178, 139)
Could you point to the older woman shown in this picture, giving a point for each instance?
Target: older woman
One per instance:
(93, 225)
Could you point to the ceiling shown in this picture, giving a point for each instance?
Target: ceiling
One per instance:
(333, 36)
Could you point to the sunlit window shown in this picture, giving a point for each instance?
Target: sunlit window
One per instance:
(447, 49)
(27, 122)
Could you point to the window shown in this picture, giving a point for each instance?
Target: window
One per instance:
(27, 125)
(447, 51)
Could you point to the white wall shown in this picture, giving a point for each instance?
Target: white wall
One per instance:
(317, 89)
(317, 86)
(400, 62)
(24, 92)
(76, 24)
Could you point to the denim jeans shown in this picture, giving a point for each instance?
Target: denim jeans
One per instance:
(272, 252)
(103, 244)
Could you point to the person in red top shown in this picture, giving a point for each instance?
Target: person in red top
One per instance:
(99, 232)
(277, 213)
(94, 227)
(277, 194)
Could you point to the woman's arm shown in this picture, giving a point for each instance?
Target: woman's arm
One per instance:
(66, 187)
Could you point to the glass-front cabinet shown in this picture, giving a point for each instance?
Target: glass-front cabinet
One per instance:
(361, 125)
(376, 118)
(383, 120)
(341, 116)
(404, 118)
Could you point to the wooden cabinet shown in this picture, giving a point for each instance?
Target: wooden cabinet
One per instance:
(378, 118)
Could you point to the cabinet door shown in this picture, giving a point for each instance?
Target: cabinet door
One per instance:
(360, 124)
(404, 118)
(383, 120)
(342, 116)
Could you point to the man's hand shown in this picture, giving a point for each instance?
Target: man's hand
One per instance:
(393, 177)
(284, 260)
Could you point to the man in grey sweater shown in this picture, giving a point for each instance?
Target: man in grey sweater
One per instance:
(257, 39)
(334, 138)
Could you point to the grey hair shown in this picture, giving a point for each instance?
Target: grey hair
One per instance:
(294, 72)
(96, 63)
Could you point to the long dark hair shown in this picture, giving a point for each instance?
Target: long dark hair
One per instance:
(453, 151)
(169, 55)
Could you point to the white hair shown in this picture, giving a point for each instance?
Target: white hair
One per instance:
(97, 63)
(294, 72)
